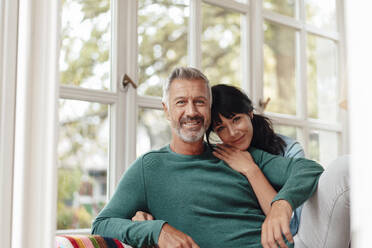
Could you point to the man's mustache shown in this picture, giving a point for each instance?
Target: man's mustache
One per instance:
(193, 118)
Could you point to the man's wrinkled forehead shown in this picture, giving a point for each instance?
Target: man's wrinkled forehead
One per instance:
(196, 88)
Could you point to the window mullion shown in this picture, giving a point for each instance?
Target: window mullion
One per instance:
(194, 37)
(342, 74)
(149, 102)
(90, 95)
(229, 4)
(124, 113)
(256, 48)
(245, 66)
(302, 79)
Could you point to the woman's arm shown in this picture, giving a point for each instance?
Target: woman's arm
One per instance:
(242, 162)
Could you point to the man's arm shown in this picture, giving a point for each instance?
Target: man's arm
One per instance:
(115, 219)
(295, 179)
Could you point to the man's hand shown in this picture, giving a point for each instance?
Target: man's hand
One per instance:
(276, 224)
(170, 237)
(141, 216)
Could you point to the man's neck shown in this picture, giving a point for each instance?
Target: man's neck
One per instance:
(185, 148)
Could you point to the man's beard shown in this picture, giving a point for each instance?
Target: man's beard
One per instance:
(190, 136)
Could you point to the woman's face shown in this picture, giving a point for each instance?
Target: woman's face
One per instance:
(236, 132)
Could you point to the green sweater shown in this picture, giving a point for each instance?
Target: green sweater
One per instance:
(201, 196)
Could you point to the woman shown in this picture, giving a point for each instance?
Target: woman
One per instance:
(233, 118)
(325, 220)
(239, 128)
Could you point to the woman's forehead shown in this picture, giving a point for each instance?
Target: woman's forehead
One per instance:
(217, 120)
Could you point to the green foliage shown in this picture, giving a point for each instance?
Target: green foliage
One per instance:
(83, 55)
(65, 216)
(69, 182)
(81, 63)
(280, 68)
(221, 45)
(284, 7)
(162, 42)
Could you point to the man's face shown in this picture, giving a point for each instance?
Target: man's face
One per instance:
(189, 109)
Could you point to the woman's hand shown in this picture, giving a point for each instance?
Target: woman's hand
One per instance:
(141, 216)
(276, 225)
(241, 161)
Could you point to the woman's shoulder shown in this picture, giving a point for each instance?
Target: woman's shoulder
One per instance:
(292, 149)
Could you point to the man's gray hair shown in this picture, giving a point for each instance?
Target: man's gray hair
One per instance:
(188, 73)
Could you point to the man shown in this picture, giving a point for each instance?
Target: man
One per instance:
(196, 199)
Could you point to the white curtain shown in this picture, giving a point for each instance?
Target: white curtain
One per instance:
(35, 178)
(8, 51)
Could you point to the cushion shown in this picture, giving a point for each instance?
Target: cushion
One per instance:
(87, 241)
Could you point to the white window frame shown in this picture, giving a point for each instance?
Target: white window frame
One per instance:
(252, 50)
(194, 48)
(301, 120)
(120, 100)
(124, 56)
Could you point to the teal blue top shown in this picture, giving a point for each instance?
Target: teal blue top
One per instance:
(201, 196)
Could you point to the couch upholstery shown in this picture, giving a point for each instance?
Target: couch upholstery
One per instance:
(87, 241)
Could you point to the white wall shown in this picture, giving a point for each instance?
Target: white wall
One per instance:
(359, 56)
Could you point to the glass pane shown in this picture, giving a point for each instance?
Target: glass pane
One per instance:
(323, 146)
(322, 78)
(221, 45)
(321, 13)
(85, 46)
(162, 41)
(82, 162)
(284, 7)
(153, 130)
(288, 131)
(280, 68)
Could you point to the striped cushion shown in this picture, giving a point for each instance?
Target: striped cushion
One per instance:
(87, 241)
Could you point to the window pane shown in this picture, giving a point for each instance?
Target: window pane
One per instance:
(321, 13)
(322, 78)
(280, 68)
(221, 45)
(162, 41)
(284, 7)
(153, 130)
(323, 146)
(85, 47)
(82, 162)
(288, 131)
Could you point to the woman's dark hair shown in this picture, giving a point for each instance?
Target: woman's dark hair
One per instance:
(229, 101)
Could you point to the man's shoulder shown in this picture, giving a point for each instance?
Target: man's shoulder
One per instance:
(154, 156)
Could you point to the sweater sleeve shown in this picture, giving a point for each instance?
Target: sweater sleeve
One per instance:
(295, 179)
(115, 219)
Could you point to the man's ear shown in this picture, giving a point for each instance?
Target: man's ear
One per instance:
(251, 115)
(166, 111)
